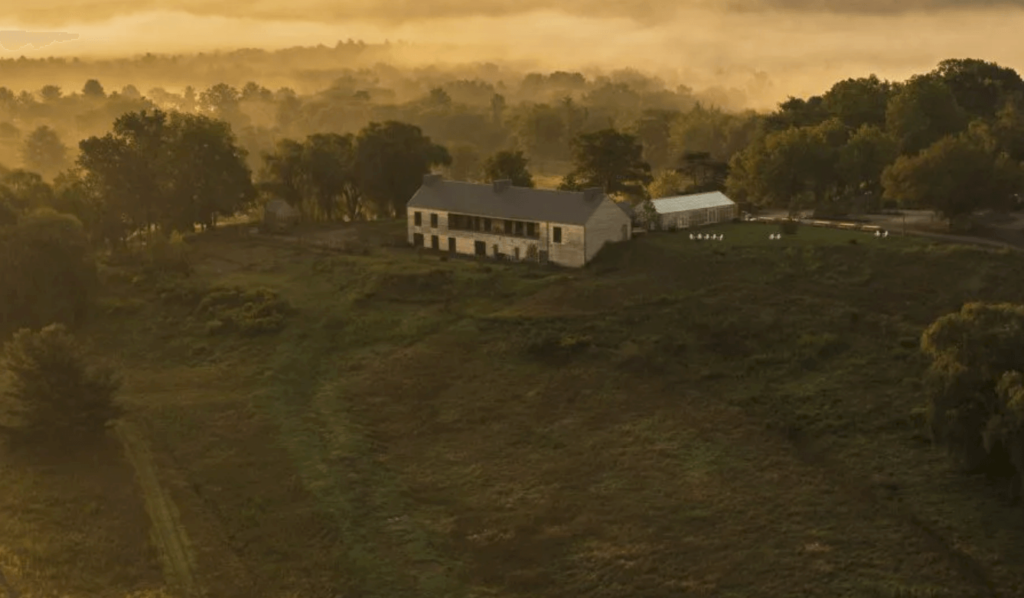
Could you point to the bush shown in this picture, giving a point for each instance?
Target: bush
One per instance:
(176, 291)
(976, 390)
(57, 388)
(167, 254)
(251, 312)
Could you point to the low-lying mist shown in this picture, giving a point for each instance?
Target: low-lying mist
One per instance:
(747, 56)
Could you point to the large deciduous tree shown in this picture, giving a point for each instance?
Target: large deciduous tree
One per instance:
(955, 176)
(976, 391)
(126, 164)
(654, 130)
(541, 132)
(282, 175)
(704, 172)
(93, 90)
(223, 102)
(864, 157)
(44, 152)
(25, 190)
(392, 158)
(611, 160)
(511, 165)
(980, 87)
(169, 171)
(48, 273)
(858, 102)
(328, 168)
(207, 175)
(794, 168)
(668, 183)
(921, 112)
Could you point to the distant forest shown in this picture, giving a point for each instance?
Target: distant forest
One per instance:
(473, 110)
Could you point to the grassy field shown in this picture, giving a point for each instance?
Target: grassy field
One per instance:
(733, 418)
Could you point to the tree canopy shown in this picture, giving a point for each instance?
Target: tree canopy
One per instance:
(48, 274)
(954, 177)
(392, 158)
(511, 165)
(922, 111)
(173, 170)
(976, 406)
(44, 152)
(609, 159)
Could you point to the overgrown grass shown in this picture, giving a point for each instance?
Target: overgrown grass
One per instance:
(734, 418)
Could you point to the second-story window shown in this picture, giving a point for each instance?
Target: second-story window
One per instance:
(556, 234)
(433, 220)
(417, 218)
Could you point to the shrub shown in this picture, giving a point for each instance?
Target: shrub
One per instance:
(167, 254)
(977, 393)
(176, 291)
(251, 312)
(532, 253)
(60, 392)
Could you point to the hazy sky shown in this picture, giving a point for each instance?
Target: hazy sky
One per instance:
(803, 45)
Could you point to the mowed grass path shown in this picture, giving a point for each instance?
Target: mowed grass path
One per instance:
(730, 418)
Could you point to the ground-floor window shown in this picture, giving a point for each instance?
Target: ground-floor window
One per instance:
(451, 244)
(417, 239)
(435, 242)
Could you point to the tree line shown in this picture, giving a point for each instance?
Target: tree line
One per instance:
(474, 118)
(951, 140)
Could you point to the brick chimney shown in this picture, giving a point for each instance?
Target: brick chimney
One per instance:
(501, 185)
(592, 193)
(431, 178)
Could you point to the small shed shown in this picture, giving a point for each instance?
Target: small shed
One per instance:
(697, 209)
(278, 215)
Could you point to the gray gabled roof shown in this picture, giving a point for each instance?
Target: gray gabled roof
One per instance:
(512, 203)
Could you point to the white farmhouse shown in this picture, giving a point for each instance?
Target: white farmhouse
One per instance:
(517, 223)
(698, 209)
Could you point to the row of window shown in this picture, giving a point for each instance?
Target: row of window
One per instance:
(514, 228)
(479, 247)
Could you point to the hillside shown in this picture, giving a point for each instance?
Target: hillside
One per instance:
(739, 418)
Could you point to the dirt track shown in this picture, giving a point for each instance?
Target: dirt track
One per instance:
(168, 534)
